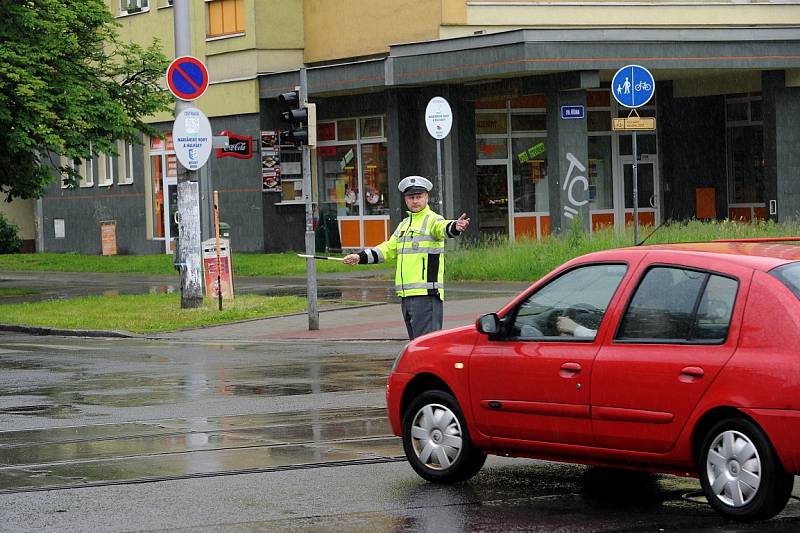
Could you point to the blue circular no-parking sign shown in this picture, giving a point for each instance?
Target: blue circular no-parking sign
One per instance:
(633, 86)
(187, 78)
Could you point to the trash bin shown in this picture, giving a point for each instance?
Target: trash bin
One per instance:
(224, 230)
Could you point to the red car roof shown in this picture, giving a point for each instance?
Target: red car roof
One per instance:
(756, 255)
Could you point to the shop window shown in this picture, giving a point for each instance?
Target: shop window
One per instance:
(326, 131)
(737, 111)
(601, 187)
(127, 7)
(645, 144)
(598, 120)
(225, 17)
(491, 123)
(372, 127)
(528, 122)
(376, 184)
(529, 165)
(346, 130)
(338, 168)
(745, 149)
(494, 148)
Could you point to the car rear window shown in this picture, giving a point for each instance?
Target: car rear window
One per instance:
(789, 275)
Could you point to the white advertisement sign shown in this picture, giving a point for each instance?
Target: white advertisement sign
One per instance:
(438, 117)
(192, 137)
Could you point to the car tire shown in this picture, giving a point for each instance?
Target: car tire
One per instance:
(436, 439)
(741, 475)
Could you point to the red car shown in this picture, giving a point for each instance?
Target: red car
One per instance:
(669, 358)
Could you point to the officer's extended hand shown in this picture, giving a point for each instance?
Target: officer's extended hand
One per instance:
(462, 223)
(351, 259)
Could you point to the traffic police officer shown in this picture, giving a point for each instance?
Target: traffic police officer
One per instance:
(418, 244)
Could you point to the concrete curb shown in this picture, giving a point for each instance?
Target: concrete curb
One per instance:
(40, 330)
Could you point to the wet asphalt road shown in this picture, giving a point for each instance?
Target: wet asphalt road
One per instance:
(139, 435)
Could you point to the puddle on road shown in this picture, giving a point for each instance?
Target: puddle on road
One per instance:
(180, 447)
(66, 381)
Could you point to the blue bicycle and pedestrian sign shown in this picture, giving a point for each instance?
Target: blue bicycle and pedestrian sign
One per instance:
(633, 86)
(187, 78)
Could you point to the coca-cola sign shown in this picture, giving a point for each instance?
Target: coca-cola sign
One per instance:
(240, 146)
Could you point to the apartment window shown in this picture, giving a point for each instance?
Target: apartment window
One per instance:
(127, 7)
(225, 17)
(106, 170)
(85, 169)
(124, 163)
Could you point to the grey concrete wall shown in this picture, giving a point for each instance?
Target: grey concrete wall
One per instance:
(83, 208)
(239, 184)
(781, 140)
(692, 152)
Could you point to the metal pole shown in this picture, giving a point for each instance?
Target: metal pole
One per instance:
(188, 190)
(311, 267)
(439, 175)
(635, 192)
(216, 232)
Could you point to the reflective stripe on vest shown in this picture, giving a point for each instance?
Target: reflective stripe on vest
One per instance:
(411, 286)
(420, 250)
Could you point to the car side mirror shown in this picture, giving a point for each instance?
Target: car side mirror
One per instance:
(488, 324)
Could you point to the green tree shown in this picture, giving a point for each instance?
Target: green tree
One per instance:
(69, 86)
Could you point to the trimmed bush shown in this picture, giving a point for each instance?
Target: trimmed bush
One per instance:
(10, 243)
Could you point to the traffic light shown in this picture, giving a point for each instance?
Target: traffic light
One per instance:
(301, 118)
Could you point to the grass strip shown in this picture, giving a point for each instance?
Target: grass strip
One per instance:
(144, 313)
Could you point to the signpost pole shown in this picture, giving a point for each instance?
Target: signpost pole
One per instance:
(311, 268)
(188, 248)
(216, 233)
(635, 192)
(439, 175)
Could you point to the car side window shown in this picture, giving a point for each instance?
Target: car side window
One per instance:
(714, 312)
(679, 305)
(570, 307)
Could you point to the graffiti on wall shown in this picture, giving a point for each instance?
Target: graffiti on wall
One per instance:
(570, 181)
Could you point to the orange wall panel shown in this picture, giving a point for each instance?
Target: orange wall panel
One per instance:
(600, 220)
(525, 227)
(374, 232)
(350, 233)
(544, 223)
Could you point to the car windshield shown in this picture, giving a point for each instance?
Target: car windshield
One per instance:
(790, 276)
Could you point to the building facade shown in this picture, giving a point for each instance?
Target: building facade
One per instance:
(727, 95)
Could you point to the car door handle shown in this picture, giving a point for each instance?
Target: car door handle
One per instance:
(691, 373)
(569, 369)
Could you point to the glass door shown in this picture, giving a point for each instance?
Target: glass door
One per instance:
(493, 199)
(647, 190)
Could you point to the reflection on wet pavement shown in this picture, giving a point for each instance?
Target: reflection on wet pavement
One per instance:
(181, 447)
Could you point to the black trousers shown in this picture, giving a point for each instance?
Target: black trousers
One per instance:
(422, 314)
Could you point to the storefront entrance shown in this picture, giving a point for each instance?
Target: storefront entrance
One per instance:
(647, 190)
(164, 189)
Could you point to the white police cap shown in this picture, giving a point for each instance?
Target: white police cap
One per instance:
(414, 184)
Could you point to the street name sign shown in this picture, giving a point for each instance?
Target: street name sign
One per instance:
(571, 112)
(633, 86)
(192, 137)
(187, 78)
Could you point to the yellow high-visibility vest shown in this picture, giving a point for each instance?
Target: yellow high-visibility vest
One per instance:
(418, 244)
